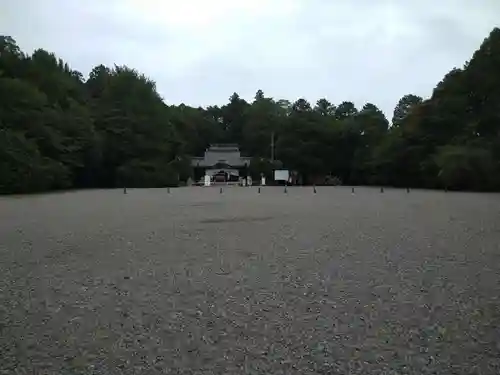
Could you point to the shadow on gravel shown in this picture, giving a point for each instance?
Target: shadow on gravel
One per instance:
(243, 219)
(203, 204)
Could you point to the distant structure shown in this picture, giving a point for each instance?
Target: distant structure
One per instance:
(222, 162)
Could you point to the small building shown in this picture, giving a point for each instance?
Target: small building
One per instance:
(222, 162)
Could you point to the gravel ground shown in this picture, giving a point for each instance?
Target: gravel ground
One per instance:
(198, 282)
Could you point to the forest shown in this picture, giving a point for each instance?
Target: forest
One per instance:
(60, 130)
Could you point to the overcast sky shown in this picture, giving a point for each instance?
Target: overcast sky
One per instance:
(201, 51)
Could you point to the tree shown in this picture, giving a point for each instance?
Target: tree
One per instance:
(345, 110)
(263, 120)
(259, 95)
(61, 130)
(465, 167)
(325, 108)
(301, 105)
(233, 115)
(371, 128)
(9, 46)
(404, 107)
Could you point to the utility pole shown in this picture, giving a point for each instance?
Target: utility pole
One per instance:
(272, 147)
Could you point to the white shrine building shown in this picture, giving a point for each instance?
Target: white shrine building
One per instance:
(222, 162)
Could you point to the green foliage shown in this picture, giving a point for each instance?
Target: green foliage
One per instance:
(20, 164)
(261, 167)
(325, 108)
(404, 107)
(345, 110)
(59, 130)
(462, 167)
(23, 169)
(141, 174)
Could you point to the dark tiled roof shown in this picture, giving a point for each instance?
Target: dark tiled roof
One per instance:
(221, 154)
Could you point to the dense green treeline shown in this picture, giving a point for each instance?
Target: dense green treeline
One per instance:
(59, 130)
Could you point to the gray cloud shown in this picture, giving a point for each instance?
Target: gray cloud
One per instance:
(199, 52)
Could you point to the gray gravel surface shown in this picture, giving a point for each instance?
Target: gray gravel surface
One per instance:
(198, 282)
